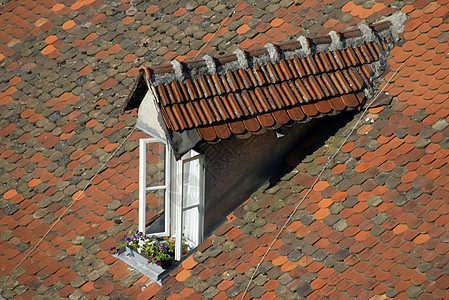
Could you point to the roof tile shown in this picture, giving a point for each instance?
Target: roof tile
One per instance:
(279, 95)
(420, 107)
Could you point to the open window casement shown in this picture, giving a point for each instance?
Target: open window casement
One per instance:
(171, 193)
(189, 201)
(154, 183)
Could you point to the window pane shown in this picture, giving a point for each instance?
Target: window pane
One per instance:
(191, 201)
(155, 211)
(155, 159)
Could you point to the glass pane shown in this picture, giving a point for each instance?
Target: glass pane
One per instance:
(191, 201)
(155, 211)
(155, 158)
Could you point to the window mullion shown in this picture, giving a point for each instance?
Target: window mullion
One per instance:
(167, 203)
(179, 209)
(201, 200)
(142, 184)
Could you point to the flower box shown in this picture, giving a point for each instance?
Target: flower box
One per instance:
(139, 262)
(164, 264)
(159, 251)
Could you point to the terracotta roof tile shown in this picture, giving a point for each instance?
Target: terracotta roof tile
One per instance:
(397, 197)
(275, 88)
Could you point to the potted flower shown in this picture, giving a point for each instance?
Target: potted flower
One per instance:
(170, 244)
(162, 259)
(134, 240)
(157, 253)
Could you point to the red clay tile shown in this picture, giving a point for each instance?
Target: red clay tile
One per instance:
(271, 285)
(410, 160)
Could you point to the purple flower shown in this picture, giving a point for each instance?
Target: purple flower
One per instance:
(149, 261)
(128, 239)
(113, 248)
(158, 263)
(118, 251)
(162, 247)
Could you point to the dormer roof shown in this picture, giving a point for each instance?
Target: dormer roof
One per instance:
(247, 92)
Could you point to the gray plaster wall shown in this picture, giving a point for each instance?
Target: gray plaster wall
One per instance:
(236, 168)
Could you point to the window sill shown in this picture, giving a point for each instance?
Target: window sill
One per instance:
(140, 263)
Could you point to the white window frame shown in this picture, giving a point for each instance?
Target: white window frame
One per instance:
(180, 209)
(143, 188)
(174, 191)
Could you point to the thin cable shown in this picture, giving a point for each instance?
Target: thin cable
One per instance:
(90, 181)
(318, 178)
(67, 209)
(216, 31)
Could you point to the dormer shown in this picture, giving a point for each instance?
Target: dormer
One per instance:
(219, 126)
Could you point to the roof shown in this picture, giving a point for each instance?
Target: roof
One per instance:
(374, 225)
(246, 92)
